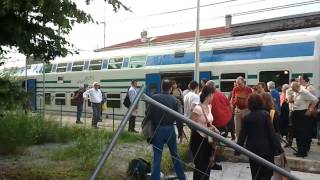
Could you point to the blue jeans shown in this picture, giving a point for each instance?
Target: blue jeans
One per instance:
(165, 135)
(79, 110)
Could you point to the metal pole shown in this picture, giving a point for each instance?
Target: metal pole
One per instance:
(197, 54)
(122, 125)
(229, 143)
(43, 88)
(26, 75)
(85, 112)
(113, 118)
(104, 24)
(61, 112)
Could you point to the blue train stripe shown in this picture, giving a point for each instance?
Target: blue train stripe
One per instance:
(235, 54)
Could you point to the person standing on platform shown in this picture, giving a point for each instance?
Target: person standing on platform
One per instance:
(176, 92)
(191, 99)
(275, 95)
(239, 100)
(162, 122)
(78, 98)
(132, 92)
(303, 105)
(95, 96)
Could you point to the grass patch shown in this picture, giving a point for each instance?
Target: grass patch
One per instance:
(18, 131)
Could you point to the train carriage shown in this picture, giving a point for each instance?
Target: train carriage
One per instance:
(276, 56)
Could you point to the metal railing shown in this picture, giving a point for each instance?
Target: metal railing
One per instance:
(191, 124)
(114, 139)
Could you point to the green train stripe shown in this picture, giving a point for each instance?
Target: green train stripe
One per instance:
(121, 80)
(252, 76)
(53, 82)
(296, 75)
(214, 77)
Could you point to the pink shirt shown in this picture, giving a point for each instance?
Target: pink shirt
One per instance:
(201, 118)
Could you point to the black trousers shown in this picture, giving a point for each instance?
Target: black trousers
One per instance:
(302, 131)
(260, 172)
(201, 151)
(132, 123)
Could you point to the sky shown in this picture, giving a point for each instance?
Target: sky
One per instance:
(125, 26)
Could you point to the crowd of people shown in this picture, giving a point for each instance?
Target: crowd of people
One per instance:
(257, 117)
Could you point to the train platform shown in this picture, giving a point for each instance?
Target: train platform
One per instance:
(309, 164)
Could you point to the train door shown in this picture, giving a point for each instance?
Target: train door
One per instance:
(31, 86)
(205, 75)
(153, 83)
(182, 78)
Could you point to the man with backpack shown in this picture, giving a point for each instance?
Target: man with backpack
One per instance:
(78, 98)
(132, 93)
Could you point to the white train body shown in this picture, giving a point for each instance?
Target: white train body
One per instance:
(277, 56)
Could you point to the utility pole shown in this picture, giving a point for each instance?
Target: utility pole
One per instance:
(197, 54)
(104, 24)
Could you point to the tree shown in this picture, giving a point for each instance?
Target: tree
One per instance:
(37, 27)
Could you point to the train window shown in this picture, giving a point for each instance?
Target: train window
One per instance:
(104, 64)
(232, 75)
(278, 77)
(62, 67)
(77, 66)
(137, 61)
(227, 80)
(113, 96)
(179, 54)
(115, 63)
(60, 99)
(47, 98)
(125, 63)
(95, 65)
(69, 66)
(86, 65)
(54, 68)
(113, 100)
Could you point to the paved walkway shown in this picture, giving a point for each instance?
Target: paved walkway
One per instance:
(241, 171)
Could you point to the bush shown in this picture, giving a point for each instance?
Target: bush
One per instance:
(18, 131)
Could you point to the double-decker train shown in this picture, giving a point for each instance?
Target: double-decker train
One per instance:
(276, 56)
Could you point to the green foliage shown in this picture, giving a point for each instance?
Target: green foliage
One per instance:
(37, 28)
(88, 146)
(18, 131)
(12, 95)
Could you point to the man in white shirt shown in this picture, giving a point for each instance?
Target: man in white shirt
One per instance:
(303, 105)
(305, 83)
(132, 92)
(95, 96)
(191, 99)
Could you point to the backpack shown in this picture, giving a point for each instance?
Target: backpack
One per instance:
(139, 168)
(126, 101)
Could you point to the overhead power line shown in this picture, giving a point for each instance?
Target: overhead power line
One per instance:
(249, 12)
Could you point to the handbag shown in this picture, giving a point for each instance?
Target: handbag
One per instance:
(282, 162)
(104, 107)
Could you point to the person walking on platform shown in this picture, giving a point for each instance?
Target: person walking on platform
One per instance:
(162, 122)
(132, 92)
(95, 96)
(200, 142)
(258, 133)
(78, 98)
(239, 100)
(303, 105)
